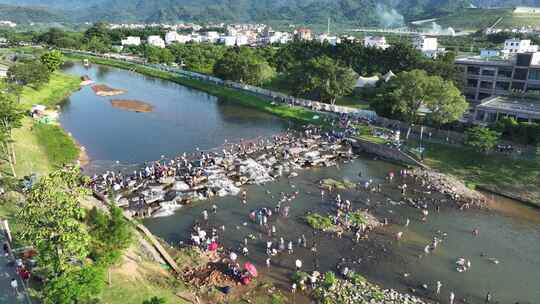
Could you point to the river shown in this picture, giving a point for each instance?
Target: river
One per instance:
(185, 119)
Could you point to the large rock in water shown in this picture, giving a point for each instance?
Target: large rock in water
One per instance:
(254, 172)
(180, 186)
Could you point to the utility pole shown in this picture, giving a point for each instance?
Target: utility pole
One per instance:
(328, 27)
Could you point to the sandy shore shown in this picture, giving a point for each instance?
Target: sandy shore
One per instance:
(132, 105)
(104, 90)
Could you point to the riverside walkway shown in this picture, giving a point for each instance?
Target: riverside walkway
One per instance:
(7, 272)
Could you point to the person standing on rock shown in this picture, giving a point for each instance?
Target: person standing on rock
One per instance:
(439, 285)
(15, 286)
(298, 265)
(205, 215)
(244, 197)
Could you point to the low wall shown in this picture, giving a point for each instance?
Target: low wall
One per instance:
(386, 152)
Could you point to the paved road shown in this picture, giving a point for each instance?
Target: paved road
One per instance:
(7, 272)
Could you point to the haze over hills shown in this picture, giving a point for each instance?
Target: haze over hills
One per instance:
(358, 12)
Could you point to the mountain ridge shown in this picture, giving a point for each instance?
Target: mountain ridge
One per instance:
(357, 12)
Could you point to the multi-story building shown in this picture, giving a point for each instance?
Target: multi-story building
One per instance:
(429, 46)
(514, 46)
(494, 108)
(172, 37)
(131, 40)
(156, 41)
(489, 77)
(303, 34)
(378, 42)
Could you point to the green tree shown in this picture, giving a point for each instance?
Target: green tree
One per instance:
(404, 95)
(154, 300)
(243, 65)
(32, 73)
(446, 103)
(482, 138)
(97, 45)
(321, 78)
(198, 57)
(77, 285)
(158, 55)
(110, 234)
(50, 221)
(52, 60)
(11, 115)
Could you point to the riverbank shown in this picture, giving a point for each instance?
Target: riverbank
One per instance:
(40, 147)
(498, 173)
(298, 114)
(507, 176)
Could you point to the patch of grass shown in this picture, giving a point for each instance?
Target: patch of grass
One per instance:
(319, 222)
(58, 146)
(31, 156)
(60, 86)
(367, 133)
(494, 171)
(125, 289)
(353, 102)
(41, 147)
(474, 18)
(339, 185)
(357, 218)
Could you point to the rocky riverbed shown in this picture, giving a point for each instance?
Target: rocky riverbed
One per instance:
(355, 290)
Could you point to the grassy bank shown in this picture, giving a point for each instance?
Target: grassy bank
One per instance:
(39, 147)
(298, 114)
(60, 86)
(502, 174)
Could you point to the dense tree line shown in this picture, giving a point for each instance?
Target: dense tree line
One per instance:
(307, 69)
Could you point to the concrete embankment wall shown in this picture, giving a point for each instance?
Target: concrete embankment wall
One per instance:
(386, 152)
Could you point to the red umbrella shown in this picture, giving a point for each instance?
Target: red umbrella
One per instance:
(251, 269)
(213, 246)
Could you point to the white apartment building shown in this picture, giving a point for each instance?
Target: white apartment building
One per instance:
(514, 46)
(156, 41)
(227, 40)
(242, 40)
(332, 40)
(172, 37)
(131, 40)
(211, 37)
(378, 42)
(425, 44)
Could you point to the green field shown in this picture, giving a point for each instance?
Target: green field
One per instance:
(474, 19)
(39, 148)
(500, 173)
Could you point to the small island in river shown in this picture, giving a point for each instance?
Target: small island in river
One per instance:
(104, 90)
(132, 105)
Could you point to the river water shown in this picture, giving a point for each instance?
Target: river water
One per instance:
(185, 119)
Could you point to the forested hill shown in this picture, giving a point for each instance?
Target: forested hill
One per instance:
(359, 12)
(20, 14)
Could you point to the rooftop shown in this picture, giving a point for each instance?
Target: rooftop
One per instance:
(484, 61)
(512, 104)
